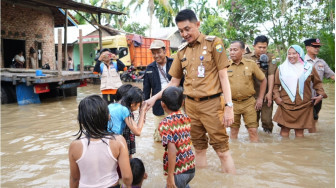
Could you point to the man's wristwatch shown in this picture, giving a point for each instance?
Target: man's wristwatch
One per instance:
(229, 104)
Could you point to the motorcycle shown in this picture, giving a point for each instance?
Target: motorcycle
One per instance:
(131, 75)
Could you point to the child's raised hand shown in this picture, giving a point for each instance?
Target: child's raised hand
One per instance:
(143, 107)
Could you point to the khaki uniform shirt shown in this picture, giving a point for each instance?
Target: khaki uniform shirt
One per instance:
(241, 78)
(271, 69)
(188, 60)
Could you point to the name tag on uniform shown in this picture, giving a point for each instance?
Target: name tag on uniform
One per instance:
(149, 72)
(201, 71)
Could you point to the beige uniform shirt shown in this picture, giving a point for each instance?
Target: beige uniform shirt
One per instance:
(188, 60)
(271, 69)
(241, 78)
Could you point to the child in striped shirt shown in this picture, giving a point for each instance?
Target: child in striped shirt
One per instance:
(178, 158)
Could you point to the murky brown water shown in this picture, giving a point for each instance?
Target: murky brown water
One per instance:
(35, 140)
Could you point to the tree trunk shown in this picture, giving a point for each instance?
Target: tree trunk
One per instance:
(151, 12)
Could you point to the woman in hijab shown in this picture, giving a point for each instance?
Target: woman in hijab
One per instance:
(293, 95)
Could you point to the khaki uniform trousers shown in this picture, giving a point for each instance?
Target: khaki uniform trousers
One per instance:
(206, 118)
(247, 110)
(265, 114)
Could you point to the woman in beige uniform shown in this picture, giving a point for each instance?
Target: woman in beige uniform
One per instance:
(293, 95)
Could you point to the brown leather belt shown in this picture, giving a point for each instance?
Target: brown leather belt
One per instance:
(204, 98)
(240, 100)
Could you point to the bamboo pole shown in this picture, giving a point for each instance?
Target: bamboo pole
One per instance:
(66, 40)
(100, 32)
(81, 51)
(59, 53)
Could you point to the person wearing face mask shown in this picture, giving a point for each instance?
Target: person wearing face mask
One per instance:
(324, 71)
(260, 46)
(293, 95)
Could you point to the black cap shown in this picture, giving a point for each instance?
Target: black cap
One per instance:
(312, 42)
(104, 50)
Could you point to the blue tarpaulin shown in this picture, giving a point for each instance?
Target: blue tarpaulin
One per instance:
(25, 95)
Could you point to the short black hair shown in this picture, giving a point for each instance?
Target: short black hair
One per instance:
(122, 90)
(260, 38)
(104, 50)
(185, 15)
(242, 44)
(134, 95)
(138, 170)
(172, 97)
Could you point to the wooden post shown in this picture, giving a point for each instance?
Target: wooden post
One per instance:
(100, 33)
(66, 40)
(2, 64)
(81, 51)
(59, 53)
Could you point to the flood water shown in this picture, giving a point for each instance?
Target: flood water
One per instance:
(35, 140)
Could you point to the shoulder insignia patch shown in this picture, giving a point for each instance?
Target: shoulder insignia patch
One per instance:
(182, 46)
(219, 48)
(210, 38)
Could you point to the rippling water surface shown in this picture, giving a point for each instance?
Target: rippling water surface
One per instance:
(35, 140)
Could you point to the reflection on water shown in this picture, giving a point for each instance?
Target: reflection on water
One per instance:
(35, 140)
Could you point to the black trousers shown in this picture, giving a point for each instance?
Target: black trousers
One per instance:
(317, 109)
(109, 98)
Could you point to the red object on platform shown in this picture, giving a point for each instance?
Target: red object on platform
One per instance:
(41, 88)
(83, 83)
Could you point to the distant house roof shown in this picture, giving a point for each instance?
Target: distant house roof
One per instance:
(163, 32)
(73, 32)
(168, 33)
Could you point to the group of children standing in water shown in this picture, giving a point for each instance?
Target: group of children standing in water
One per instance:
(100, 155)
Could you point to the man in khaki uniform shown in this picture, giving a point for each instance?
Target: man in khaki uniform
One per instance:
(203, 62)
(260, 47)
(241, 73)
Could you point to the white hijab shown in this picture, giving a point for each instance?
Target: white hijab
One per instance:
(290, 74)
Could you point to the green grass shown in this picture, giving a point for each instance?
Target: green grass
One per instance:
(328, 81)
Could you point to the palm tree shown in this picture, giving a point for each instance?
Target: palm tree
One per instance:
(107, 18)
(162, 9)
(119, 20)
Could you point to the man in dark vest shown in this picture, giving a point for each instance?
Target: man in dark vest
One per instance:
(156, 78)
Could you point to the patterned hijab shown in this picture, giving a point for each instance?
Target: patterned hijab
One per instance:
(292, 74)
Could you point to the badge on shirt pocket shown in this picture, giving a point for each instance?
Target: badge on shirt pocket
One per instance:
(201, 71)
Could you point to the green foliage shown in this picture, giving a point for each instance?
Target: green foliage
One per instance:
(117, 21)
(286, 22)
(327, 51)
(329, 81)
(135, 28)
(213, 25)
(165, 13)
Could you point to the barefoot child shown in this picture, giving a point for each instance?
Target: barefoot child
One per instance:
(96, 153)
(122, 116)
(178, 159)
